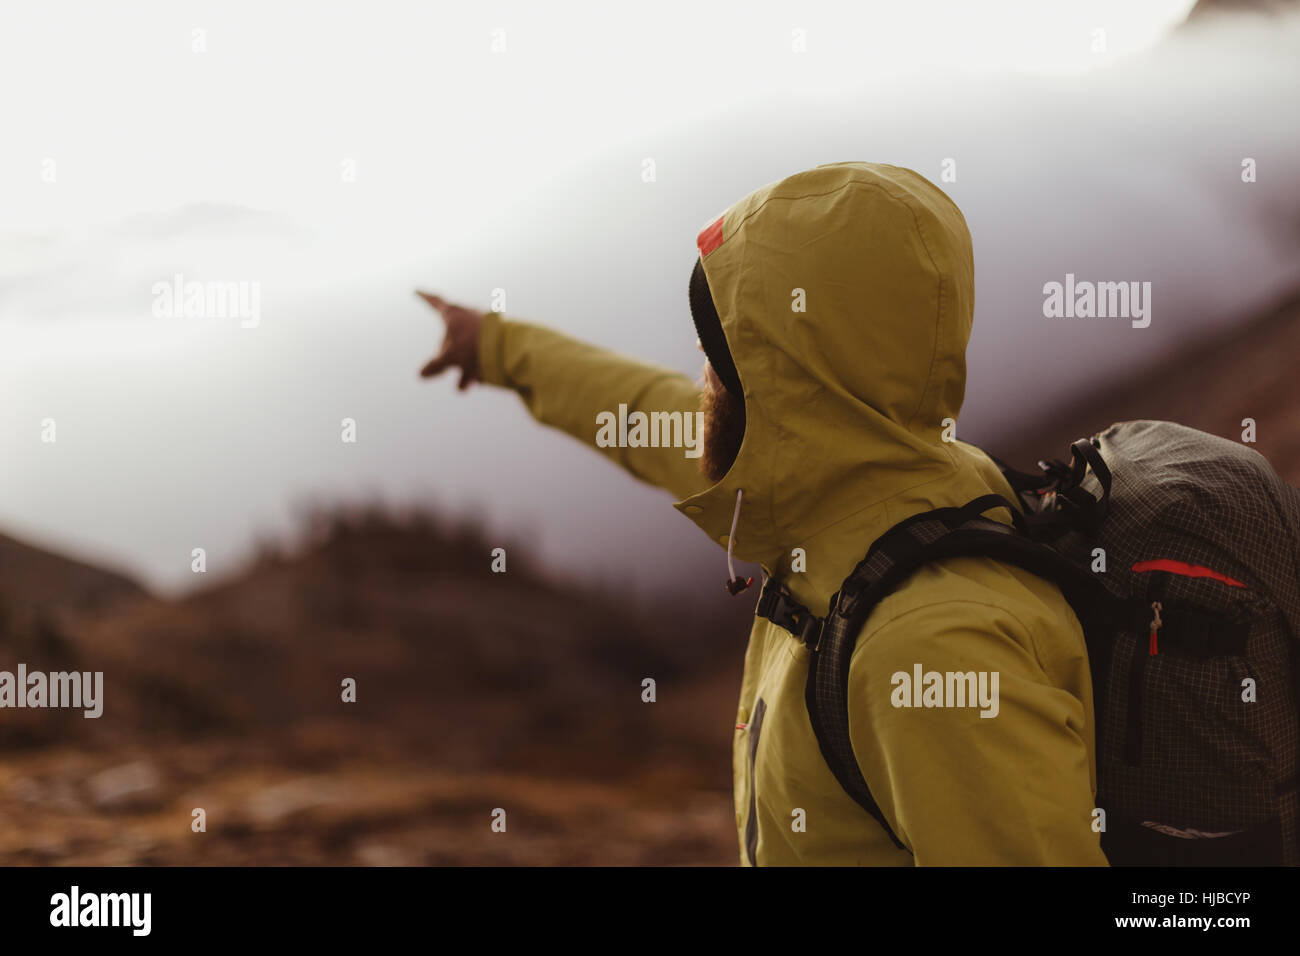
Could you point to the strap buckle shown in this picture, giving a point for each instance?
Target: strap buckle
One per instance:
(810, 631)
(777, 605)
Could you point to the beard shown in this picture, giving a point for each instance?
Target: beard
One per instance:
(724, 430)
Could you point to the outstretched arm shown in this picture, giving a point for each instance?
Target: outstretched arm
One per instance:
(566, 384)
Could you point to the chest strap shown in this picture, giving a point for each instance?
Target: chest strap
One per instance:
(777, 604)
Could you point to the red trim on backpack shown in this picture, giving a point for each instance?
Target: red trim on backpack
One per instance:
(710, 237)
(1186, 570)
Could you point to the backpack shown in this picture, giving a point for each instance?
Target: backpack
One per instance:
(1179, 552)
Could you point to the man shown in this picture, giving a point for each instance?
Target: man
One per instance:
(834, 308)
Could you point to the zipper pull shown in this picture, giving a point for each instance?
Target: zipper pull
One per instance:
(1155, 626)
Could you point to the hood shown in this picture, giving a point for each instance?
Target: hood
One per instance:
(846, 294)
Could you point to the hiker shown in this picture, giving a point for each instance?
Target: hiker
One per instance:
(834, 308)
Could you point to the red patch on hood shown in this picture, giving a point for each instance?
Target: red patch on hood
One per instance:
(710, 237)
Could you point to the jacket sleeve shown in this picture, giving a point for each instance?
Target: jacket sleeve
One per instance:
(1015, 788)
(567, 384)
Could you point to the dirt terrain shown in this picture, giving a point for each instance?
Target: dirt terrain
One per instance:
(474, 691)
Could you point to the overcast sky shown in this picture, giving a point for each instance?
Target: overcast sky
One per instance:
(439, 123)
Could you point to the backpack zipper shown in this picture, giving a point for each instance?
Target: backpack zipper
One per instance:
(1183, 570)
(1137, 676)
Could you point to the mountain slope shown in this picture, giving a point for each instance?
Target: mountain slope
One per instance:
(1246, 372)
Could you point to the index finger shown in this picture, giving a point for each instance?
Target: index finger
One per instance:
(433, 300)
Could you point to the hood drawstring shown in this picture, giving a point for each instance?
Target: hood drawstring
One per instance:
(735, 584)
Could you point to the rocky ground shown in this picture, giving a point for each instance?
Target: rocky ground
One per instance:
(67, 807)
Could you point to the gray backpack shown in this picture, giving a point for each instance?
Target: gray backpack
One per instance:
(1180, 554)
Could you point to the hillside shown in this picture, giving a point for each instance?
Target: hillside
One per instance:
(1246, 372)
(475, 690)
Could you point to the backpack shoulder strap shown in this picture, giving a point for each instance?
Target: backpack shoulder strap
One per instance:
(930, 536)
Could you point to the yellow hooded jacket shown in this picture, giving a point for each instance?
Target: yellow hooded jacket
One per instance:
(846, 296)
